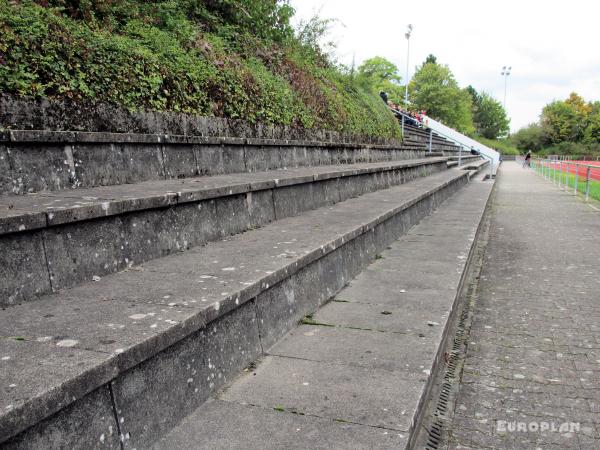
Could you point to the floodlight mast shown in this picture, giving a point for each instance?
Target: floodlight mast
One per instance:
(409, 29)
(505, 73)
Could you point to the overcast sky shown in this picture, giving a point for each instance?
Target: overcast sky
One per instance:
(552, 46)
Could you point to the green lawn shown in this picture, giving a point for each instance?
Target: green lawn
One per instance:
(570, 179)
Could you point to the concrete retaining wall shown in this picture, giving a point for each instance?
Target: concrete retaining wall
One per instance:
(33, 161)
(20, 113)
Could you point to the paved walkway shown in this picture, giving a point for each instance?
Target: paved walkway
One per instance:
(534, 353)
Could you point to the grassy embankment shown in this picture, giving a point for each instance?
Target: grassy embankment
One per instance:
(235, 59)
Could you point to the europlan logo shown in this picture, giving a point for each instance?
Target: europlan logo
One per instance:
(512, 426)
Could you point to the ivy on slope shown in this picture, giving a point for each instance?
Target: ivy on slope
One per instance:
(227, 58)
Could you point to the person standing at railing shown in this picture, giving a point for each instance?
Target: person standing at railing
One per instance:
(527, 161)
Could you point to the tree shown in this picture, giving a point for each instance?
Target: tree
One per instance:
(592, 130)
(430, 59)
(532, 137)
(381, 74)
(570, 126)
(474, 95)
(489, 117)
(434, 89)
(379, 70)
(566, 121)
(559, 121)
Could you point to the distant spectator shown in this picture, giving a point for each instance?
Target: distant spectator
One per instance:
(527, 161)
(384, 97)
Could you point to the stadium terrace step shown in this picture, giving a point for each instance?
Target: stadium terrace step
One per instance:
(465, 158)
(475, 164)
(51, 241)
(357, 373)
(33, 160)
(434, 154)
(422, 136)
(127, 357)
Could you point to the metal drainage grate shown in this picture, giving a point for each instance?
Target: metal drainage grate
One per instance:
(437, 420)
(454, 359)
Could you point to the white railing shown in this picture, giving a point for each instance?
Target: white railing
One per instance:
(560, 172)
(464, 141)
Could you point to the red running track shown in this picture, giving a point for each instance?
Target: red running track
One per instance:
(570, 166)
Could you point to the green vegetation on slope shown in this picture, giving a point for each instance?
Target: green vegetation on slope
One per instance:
(504, 146)
(226, 58)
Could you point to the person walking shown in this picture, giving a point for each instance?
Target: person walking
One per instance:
(527, 161)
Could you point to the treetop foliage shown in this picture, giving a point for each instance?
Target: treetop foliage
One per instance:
(379, 75)
(434, 89)
(570, 126)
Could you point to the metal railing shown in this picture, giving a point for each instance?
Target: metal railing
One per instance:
(559, 172)
(573, 157)
(462, 146)
(492, 157)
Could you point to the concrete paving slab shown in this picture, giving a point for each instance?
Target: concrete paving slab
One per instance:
(374, 397)
(394, 319)
(267, 428)
(390, 351)
(409, 300)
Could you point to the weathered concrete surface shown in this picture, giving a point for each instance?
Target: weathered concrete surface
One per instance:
(272, 429)
(331, 391)
(357, 368)
(534, 354)
(30, 367)
(23, 268)
(153, 396)
(140, 312)
(21, 213)
(38, 161)
(368, 349)
(105, 230)
(44, 114)
(91, 420)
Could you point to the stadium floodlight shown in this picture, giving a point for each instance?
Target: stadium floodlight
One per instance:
(505, 73)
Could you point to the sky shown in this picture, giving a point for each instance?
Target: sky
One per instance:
(552, 46)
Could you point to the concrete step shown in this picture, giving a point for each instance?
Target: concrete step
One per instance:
(465, 158)
(357, 372)
(422, 135)
(53, 241)
(127, 357)
(475, 164)
(33, 161)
